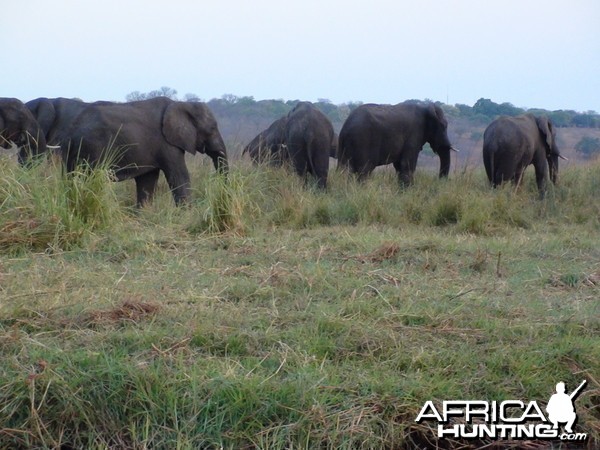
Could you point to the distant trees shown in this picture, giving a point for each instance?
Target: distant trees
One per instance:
(164, 91)
(588, 146)
(486, 107)
(481, 113)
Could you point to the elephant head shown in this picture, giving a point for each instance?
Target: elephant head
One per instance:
(268, 144)
(44, 112)
(191, 127)
(436, 133)
(549, 138)
(18, 126)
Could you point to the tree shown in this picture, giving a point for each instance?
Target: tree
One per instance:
(164, 91)
(490, 109)
(191, 98)
(588, 146)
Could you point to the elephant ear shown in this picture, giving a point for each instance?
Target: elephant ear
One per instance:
(45, 114)
(179, 127)
(436, 114)
(545, 127)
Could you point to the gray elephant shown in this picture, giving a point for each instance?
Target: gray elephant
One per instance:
(309, 137)
(375, 135)
(18, 126)
(304, 137)
(144, 138)
(268, 144)
(510, 144)
(55, 115)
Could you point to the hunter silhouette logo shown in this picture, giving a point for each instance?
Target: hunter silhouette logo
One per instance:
(560, 407)
(509, 419)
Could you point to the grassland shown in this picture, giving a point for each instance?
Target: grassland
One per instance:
(269, 315)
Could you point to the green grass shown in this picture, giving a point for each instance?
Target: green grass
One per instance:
(269, 315)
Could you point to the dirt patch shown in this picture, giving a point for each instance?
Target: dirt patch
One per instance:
(388, 250)
(131, 310)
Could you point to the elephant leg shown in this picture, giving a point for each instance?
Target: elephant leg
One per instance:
(145, 186)
(518, 177)
(320, 173)
(405, 171)
(178, 179)
(362, 168)
(299, 159)
(541, 176)
(319, 166)
(487, 162)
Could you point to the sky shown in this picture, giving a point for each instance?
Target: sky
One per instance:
(531, 53)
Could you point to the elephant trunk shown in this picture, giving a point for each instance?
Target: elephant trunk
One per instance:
(444, 162)
(32, 143)
(215, 148)
(553, 168)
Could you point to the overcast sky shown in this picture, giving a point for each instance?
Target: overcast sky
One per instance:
(532, 53)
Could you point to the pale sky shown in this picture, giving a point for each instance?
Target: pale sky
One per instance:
(531, 53)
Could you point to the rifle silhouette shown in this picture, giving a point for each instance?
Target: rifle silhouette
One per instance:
(573, 394)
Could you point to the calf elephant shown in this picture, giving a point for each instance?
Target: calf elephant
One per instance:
(375, 135)
(18, 126)
(55, 115)
(143, 138)
(268, 144)
(309, 139)
(510, 144)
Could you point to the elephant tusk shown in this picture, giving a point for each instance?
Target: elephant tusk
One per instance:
(455, 149)
(53, 147)
(562, 157)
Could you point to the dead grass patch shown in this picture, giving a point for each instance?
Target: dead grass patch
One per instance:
(131, 310)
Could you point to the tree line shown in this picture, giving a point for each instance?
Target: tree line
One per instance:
(240, 117)
(481, 113)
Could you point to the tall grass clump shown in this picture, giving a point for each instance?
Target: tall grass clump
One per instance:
(226, 204)
(43, 206)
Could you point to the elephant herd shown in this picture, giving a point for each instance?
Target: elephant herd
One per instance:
(139, 139)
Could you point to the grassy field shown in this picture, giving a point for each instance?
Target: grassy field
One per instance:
(269, 315)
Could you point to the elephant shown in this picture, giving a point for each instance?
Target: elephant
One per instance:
(268, 144)
(510, 144)
(18, 126)
(55, 115)
(375, 135)
(304, 137)
(142, 138)
(309, 138)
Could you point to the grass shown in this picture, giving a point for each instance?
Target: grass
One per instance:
(269, 315)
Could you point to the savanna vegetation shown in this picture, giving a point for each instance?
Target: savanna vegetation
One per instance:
(269, 315)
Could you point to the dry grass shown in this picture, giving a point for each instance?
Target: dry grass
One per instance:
(267, 315)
